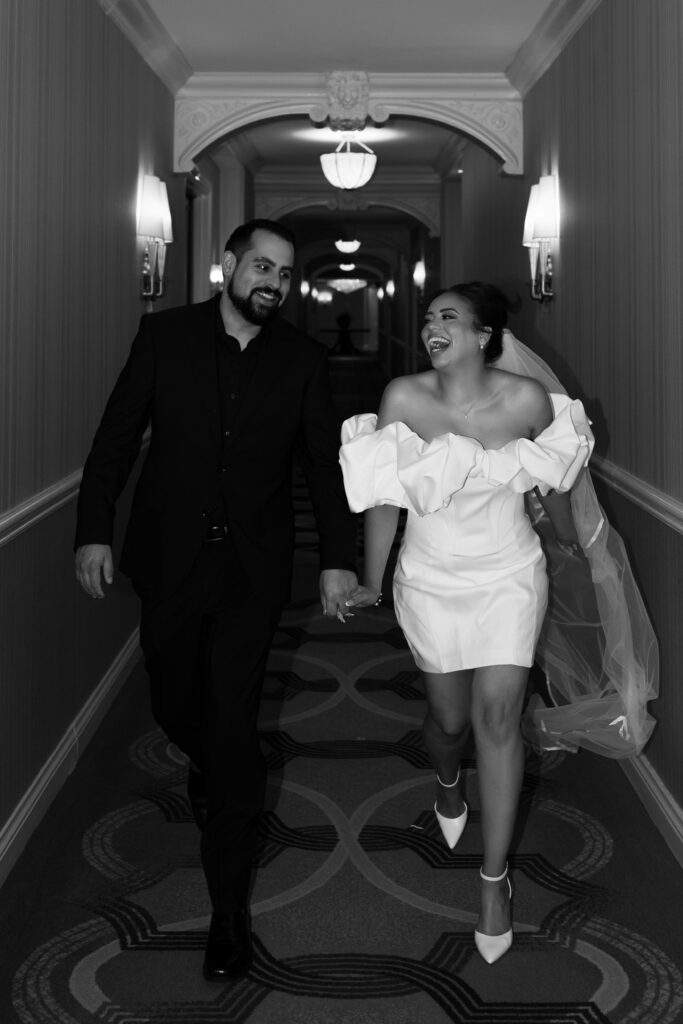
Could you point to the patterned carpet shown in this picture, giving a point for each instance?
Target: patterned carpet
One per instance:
(361, 913)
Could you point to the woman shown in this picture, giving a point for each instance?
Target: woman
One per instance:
(458, 446)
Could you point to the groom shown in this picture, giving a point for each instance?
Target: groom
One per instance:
(232, 393)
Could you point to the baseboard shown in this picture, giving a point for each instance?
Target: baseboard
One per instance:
(32, 807)
(659, 803)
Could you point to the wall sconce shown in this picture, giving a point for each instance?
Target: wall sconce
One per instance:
(216, 277)
(380, 293)
(390, 289)
(419, 274)
(155, 226)
(541, 228)
(305, 288)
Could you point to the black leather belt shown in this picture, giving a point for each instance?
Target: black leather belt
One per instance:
(215, 533)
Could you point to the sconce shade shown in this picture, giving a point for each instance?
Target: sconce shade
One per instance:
(419, 274)
(216, 274)
(348, 170)
(166, 223)
(546, 209)
(150, 218)
(528, 236)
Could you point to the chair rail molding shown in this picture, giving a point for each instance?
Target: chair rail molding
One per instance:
(655, 502)
(484, 106)
(32, 807)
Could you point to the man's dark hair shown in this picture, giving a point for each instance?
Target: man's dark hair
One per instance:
(241, 237)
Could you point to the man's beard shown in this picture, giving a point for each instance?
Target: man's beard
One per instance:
(250, 307)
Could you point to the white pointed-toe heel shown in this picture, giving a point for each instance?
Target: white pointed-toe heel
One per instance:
(492, 947)
(451, 828)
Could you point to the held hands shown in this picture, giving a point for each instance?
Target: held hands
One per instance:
(336, 585)
(364, 597)
(94, 561)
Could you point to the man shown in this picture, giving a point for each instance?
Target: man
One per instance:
(231, 391)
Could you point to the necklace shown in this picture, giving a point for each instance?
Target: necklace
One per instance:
(467, 414)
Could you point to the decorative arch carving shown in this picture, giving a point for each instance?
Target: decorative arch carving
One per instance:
(424, 209)
(485, 107)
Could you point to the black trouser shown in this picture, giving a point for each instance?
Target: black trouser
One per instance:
(206, 646)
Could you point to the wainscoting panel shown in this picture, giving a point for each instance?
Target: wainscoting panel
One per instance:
(81, 120)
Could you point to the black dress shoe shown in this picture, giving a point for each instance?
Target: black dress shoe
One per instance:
(229, 948)
(196, 793)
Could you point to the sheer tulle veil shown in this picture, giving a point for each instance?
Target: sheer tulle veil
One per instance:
(597, 647)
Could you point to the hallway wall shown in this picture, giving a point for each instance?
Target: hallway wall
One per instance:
(607, 118)
(82, 117)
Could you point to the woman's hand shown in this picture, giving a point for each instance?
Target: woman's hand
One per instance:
(364, 597)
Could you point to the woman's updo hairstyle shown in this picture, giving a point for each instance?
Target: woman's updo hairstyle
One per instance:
(490, 308)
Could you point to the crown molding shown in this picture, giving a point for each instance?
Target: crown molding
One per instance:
(158, 49)
(552, 33)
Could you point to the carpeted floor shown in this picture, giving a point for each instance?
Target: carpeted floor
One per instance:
(362, 914)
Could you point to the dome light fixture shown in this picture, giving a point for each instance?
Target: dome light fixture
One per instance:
(347, 247)
(348, 170)
(347, 284)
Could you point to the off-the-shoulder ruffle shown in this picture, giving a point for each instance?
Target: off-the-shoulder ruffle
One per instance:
(394, 466)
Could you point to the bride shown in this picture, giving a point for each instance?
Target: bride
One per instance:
(475, 449)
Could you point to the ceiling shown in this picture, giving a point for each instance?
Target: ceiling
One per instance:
(409, 36)
(375, 36)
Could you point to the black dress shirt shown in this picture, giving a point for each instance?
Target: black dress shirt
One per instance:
(235, 368)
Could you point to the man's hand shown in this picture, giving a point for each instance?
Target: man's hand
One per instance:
(94, 561)
(336, 587)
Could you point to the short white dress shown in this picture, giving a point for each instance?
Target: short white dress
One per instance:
(470, 586)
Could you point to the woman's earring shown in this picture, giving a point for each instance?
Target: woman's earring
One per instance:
(482, 341)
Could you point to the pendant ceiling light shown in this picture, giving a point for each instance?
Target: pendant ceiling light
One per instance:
(347, 246)
(348, 170)
(347, 284)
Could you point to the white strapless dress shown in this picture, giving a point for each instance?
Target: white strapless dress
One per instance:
(470, 586)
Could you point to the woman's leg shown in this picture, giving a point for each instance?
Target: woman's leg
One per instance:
(445, 732)
(497, 699)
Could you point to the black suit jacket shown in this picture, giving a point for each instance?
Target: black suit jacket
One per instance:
(170, 380)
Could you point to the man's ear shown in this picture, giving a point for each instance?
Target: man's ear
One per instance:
(228, 264)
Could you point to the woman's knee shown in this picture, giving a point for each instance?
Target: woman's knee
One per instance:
(449, 725)
(496, 721)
